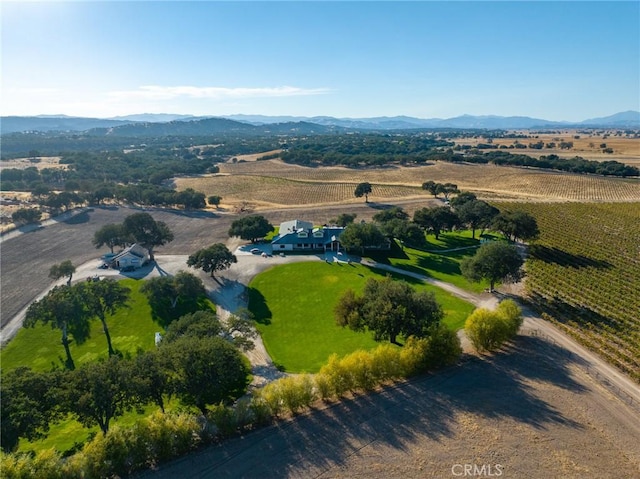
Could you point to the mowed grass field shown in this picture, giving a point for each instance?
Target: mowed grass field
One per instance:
(294, 304)
(39, 348)
(131, 329)
(273, 183)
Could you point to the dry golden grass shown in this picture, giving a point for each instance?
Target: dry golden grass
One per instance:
(276, 183)
(625, 149)
(255, 156)
(24, 163)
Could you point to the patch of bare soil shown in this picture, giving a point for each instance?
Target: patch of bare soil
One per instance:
(529, 411)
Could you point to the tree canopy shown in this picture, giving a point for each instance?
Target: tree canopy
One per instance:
(389, 309)
(494, 261)
(208, 370)
(251, 227)
(147, 232)
(63, 308)
(516, 225)
(216, 257)
(111, 235)
(476, 214)
(358, 236)
(436, 219)
(344, 219)
(102, 298)
(100, 391)
(363, 189)
(66, 268)
(28, 405)
(171, 297)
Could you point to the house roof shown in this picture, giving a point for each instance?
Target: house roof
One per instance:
(135, 249)
(329, 234)
(294, 225)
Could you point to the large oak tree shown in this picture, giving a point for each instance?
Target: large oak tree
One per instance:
(389, 309)
(216, 257)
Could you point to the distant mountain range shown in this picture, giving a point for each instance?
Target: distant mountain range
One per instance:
(151, 124)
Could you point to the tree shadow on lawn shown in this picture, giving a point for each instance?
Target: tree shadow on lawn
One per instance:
(424, 409)
(384, 257)
(439, 262)
(258, 306)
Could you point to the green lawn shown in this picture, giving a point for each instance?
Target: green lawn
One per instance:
(294, 305)
(131, 329)
(434, 261)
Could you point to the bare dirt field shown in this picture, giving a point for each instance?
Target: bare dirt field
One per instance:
(529, 411)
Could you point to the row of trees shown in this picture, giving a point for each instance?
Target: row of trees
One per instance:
(71, 308)
(160, 437)
(378, 150)
(465, 211)
(194, 363)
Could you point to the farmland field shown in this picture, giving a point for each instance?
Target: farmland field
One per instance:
(273, 182)
(625, 149)
(584, 273)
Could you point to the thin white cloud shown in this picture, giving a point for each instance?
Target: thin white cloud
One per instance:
(156, 92)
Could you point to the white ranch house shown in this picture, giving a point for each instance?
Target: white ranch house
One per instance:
(298, 235)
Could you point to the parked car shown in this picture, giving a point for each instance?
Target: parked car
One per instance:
(256, 251)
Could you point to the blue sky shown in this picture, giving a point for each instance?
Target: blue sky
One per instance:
(554, 60)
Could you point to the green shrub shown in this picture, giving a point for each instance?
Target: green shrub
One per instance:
(44, 464)
(224, 417)
(444, 348)
(323, 387)
(297, 392)
(359, 367)
(270, 396)
(340, 381)
(386, 363)
(259, 408)
(412, 356)
(488, 330)
(511, 313)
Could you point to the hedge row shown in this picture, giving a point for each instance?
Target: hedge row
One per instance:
(161, 437)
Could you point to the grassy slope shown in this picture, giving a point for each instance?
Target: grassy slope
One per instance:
(39, 348)
(301, 334)
(131, 328)
(435, 261)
